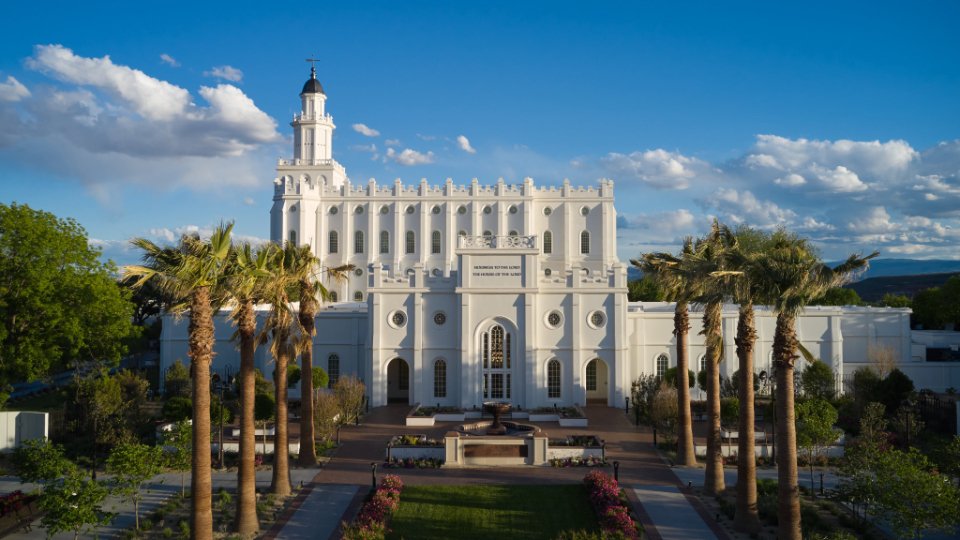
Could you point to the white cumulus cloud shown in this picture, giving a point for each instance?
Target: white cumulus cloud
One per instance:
(169, 60)
(657, 168)
(13, 90)
(409, 157)
(365, 130)
(227, 73)
(464, 143)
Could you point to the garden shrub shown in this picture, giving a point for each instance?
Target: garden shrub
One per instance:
(604, 494)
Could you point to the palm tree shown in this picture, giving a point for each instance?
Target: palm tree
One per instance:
(191, 274)
(750, 245)
(707, 267)
(666, 271)
(280, 328)
(791, 275)
(247, 279)
(304, 272)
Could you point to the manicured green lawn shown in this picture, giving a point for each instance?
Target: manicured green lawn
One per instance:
(484, 512)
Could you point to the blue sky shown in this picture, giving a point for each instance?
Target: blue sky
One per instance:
(838, 120)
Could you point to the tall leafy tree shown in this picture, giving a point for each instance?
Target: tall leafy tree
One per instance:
(792, 275)
(743, 271)
(707, 264)
(192, 275)
(74, 505)
(59, 305)
(281, 328)
(667, 273)
(248, 278)
(305, 272)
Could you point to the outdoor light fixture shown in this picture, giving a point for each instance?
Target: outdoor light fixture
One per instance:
(373, 473)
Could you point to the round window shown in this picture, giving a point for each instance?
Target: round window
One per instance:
(384, 209)
(411, 209)
(359, 210)
(554, 318)
(436, 209)
(358, 271)
(584, 211)
(440, 318)
(333, 210)
(487, 209)
(598, 319)
(513, 209)
(547, 211)
(293, 208)
(462, 210)
(436, 272)
(547, 272)
(398, 319)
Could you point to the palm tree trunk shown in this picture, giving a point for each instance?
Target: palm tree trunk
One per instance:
(713, 481)
(746, 518)
(247, 523)
(308, 452)
(681, 328)
(280, 484)
(788, 492)
(201, 335)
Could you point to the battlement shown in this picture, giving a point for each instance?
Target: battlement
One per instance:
(287, 183)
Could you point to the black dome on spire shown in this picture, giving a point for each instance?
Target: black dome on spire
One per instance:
(312, 86)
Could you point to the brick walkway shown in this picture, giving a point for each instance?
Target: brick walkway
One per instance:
(366, 444)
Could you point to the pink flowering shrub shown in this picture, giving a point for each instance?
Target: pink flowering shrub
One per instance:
(371, 522)
(604, 494)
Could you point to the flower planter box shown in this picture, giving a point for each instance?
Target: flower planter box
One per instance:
(420, 421)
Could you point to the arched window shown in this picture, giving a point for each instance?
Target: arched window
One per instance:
(358, 242)
(496, 363)
(293, 237)
(703, 362)
(358, 296)
(487, 234)
(334, 242)
(584, 243)
(333, 369)
(553, 379)
(662, 363)
(411, 242)
(440, 378)
(435, 242)
(592, 376)
(547, 242)
(333, 297)
(384, 241)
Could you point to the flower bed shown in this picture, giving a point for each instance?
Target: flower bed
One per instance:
(371, 522)
(413, 463)
(577, 461)
(604, 494)
(415, 447)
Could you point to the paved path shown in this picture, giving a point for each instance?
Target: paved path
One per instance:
(672, 514)
(318, 516)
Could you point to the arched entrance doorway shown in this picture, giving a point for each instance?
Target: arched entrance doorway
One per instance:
(596, 381)
(398, 381)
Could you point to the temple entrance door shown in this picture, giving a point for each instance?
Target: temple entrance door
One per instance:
(398, 381)
(597, 381)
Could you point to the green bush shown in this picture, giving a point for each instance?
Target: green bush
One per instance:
(178, 408)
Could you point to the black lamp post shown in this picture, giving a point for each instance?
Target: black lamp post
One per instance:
(616, 471)
(373, 474)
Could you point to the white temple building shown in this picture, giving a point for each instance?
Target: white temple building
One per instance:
(510, 292)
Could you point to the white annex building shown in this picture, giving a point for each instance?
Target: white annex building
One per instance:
(510, 292)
